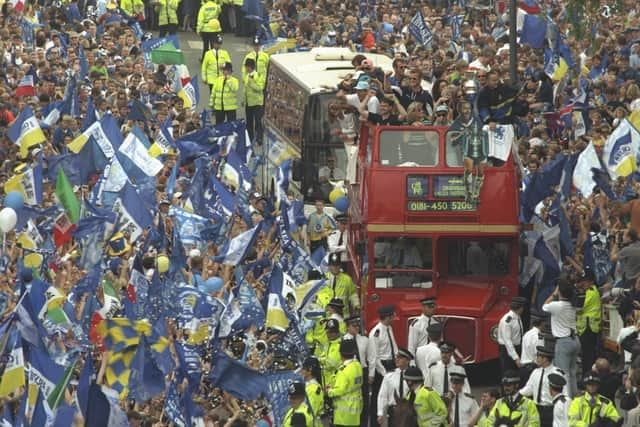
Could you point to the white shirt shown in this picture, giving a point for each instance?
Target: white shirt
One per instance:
(625, 332)
(530, 341)
(427, 355)
(325, 172)
(467, 408)
(380, 348)
(333, 240)
(477, 65)
(532, 386)
(373, 105)
(435, 379)
(510, 333)
(363, 345)
(561, 405)
(563, 318)
(418, 333)
(388, 389)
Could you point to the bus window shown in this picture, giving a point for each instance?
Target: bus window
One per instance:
(477, 257)
(286, 105)
(395, 254)
(409, 148)
(453, 149)
(323, 164)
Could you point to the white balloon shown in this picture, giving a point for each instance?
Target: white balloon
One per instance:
(8, 219)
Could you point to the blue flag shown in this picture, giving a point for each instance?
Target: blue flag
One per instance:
(235, 250)
(146, 380)
(235, 378)
(277, 392)
(534, 31)
(419, 29)
(542, 185)
(172, 406)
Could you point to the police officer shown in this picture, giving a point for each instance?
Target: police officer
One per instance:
(429, 407)
(537, 387)
(510, 336)
(167, 16)
(254, 84)
(382, 354)
(298, 405)
(341, 286)
(362, 345)
(560, 402)
(463, 406)
(224, 95)
(418, 335)
(530, 342)
(592, 408)
(260, 57)
(589, 318)
(312, 374)
(439, 376)
(513, 409)
(328, 352)
(429, 353)
(208, 25)
(334, 309)
(346, 391)
(213, 61)
(393, 384)
(337, 240)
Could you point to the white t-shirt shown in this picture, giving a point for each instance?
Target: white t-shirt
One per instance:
(373, 105)
(563, 318)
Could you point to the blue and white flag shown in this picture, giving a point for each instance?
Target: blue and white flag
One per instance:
(172, 408)
(277, 392)
(189, 226)
(44, 372)
(234, 251)
(620, 150)
(235, 378)
(419, 29)
(133, 217)
(456, 24)
(582, 174)
(250, 307)
(135, 156)
(283, 177)
(225, 201)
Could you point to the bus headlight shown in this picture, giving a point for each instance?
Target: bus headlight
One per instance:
(493, 333)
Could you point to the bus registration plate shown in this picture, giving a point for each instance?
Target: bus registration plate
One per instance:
(439, 206)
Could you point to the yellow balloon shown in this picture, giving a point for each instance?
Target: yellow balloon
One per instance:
(163, 264)
(32, 260)
(336, 193)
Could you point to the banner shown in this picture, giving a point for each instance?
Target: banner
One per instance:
(418, 29)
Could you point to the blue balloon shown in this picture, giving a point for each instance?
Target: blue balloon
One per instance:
(341, 204)
(14, 200)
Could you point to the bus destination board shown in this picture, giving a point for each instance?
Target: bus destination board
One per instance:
(440, 206)
(448, 187)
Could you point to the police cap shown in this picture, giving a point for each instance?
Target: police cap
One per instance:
(336, 302)
(518, 301)
(341, 217)
(545, 351)
(511, 377)
(403, 352)
(334, 259)
(217, 39)
(556, 380)
(591, 378)
(296, 389)
(428, 301)
(355, 319)
(457, 377)
(332, 325)
(348, 347)
(386, 310)
(447, 347)
(413, 373)
(434, 329)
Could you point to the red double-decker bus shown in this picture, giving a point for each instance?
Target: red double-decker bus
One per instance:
(412, 234)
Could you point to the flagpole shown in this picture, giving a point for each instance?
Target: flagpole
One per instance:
(513, 45)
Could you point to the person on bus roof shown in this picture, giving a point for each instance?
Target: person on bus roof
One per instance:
(387, 115)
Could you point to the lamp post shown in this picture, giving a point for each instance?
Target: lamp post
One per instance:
(513, 44)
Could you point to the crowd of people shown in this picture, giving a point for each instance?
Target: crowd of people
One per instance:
(145, 279)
